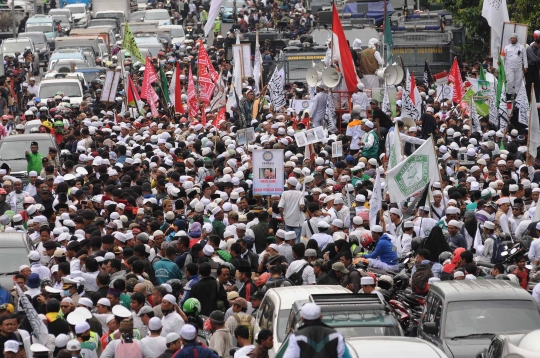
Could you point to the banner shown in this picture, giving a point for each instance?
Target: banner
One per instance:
(444, 91)
(268, 172)
(310, 136)
(496, 14)
(534, 127)
(375, 203)
(257, 65)
(394, 157)
(130, 45)
(302, 104)
(193, 104)
(522, 104)
(413, 174)
(215, 9)
(39, 330)
(337, 149)
(275, 88)
(493, 106)
(244, 136)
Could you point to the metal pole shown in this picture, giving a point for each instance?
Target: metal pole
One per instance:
(13, 21)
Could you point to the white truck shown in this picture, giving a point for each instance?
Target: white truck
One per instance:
(118, 9)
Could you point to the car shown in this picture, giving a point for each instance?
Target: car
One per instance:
(178, 36)
(349, 314)
(91, 73)
(14, 249)
(137, 16)
(112, 22)
(41, 44)
(391, 347)
(461, 317)
(45, 24)
(80, 14)
(11, 46)
(228, 8)
(66, 54)
(513, 345)
(64, 22)
(276, 307)
(160, 15)
(32, 126)
(65, 11)
(68, 86)
(13, 147)
(150, 43)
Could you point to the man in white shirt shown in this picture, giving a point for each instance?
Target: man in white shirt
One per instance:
(32, 87)
(534, 250)
(171, 321)
(290, 208)
(300, 264)
(155, 341)
(341, 212)
(322, 237)
(515, 64)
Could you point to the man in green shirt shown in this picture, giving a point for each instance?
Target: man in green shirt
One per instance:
(33, 158)
(217, 224)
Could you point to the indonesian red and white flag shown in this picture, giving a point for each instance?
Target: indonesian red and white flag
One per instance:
(341, 49)
(415, 94)
(174, 94)
(455, 77)
(192, 96)
(149, 78)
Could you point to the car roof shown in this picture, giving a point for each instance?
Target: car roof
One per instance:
(407, 347)
(23, 137)
(12, 239)
(286, 296)
(21, 39)
(48, 80)
(475, 290)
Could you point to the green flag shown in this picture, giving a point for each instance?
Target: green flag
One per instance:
(164, 84)
(482, 73)
(501, 83)
(388, 41)
(131, 46)
(501, 146)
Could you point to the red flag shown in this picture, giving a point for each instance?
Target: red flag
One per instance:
(345, 58)
(178, 107)
(149, 78)
(203, 116)
(455, 78)
(206, 86)
(219, 118)
(204, 60)
(413, 86)
(192, 96)
(152, 99)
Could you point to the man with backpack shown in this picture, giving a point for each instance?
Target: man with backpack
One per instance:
(422, 271)
(240, 317)
(300, 271)
(276, 279)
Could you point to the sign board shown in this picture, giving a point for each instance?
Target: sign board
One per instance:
(242, 58)
(310, 136)
(268, 171)
(337, 149)
(246, 135)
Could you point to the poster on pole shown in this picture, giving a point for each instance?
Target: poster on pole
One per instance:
(337, 149)
(246, 135)
(268, 172)
(242, 57)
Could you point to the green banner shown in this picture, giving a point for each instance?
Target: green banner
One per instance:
(482, 106)
(131, 46)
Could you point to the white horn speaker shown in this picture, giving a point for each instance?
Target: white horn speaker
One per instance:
(392, 75)
(331, 77)
(313, 76)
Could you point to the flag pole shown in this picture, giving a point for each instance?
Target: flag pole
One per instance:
(438, 170)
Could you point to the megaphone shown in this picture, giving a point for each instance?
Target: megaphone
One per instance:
(313, 77)
(331, 77)
(392, 75)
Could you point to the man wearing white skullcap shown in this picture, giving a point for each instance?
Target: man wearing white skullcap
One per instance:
(515, 63)
(313, 330)
(290, 205)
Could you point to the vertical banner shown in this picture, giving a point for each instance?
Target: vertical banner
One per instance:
(268, 172)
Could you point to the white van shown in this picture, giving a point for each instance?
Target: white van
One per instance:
(391, 347)
(277, 303)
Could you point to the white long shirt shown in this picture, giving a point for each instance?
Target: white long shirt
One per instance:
(534, 250)
(172, 322)
(290, 202)
(308, 276)
(515, 56)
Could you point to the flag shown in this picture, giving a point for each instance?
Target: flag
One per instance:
(388, 41)
(341, 48)
(455, 78)
(501, 81)
(152, 99)
(419, 201)
(477, 243)
(149, 78)
(164, 85)
(215, 9)
(375, 203)
(39, 330)
(203, 116)
(130, 45)
(206, 86)
(501, 145)
(502, 113)
(193, 104)
(413, 173)
(257, 65)
(206, 64)
(133, 98)
(237, 80)
(428, 77)
(176, 95)
(482, 74)
(330, 114)
(492, 105)
(386, 102)
(409, 108)
(415, 94)
(534, 127)
(475, 118)
(496, 14)
(522, 104)
(394, 157)
(219, 117)
(275, 88)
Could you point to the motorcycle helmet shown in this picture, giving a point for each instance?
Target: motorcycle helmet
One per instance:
(33, 109)
(28, 113)
(43, 109)
(446, 255)
(192, 305)
(386, 282)
(47, 125)
(401, 281)
(176, 286)
(416, 243)
(366, 240)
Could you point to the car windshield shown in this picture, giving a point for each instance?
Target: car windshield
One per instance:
(40, 27)
(466, 318)
(71, 89)
(157, 15)
(89, 76)
(63, 19)
(177, 32)
(14, 46)
(38, 39)
(229, 4)
(283, 318)
(367, 331)
(77, 9)
(61, 64)
(10, 150)
(56, 12)
(11, 257)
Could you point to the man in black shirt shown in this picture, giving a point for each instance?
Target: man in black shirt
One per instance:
(428, 122)
(382, 122)
(8, 326)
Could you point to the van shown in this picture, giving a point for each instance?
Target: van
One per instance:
(42, 23)
(276, 307)
(79, 41)
(461, 317)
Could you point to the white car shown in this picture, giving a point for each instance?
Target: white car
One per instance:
(80, 14)
(178, 36)
(391, 347)
(276, 306)
(160, 15)
(64, 11)
(69, 87)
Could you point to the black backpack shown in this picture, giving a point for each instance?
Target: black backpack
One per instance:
(498, 249)
(296, 278)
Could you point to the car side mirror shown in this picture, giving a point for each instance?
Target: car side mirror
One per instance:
(430, 328)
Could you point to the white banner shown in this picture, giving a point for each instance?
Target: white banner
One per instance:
(375, 204)
(215, 8)
(244, 136)
(275, 88)
(534, 128)
(302, 104)
(242, 58)
(444, 92)
(268, 172)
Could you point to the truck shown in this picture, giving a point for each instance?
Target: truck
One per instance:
(104, 33)
(119, 9)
